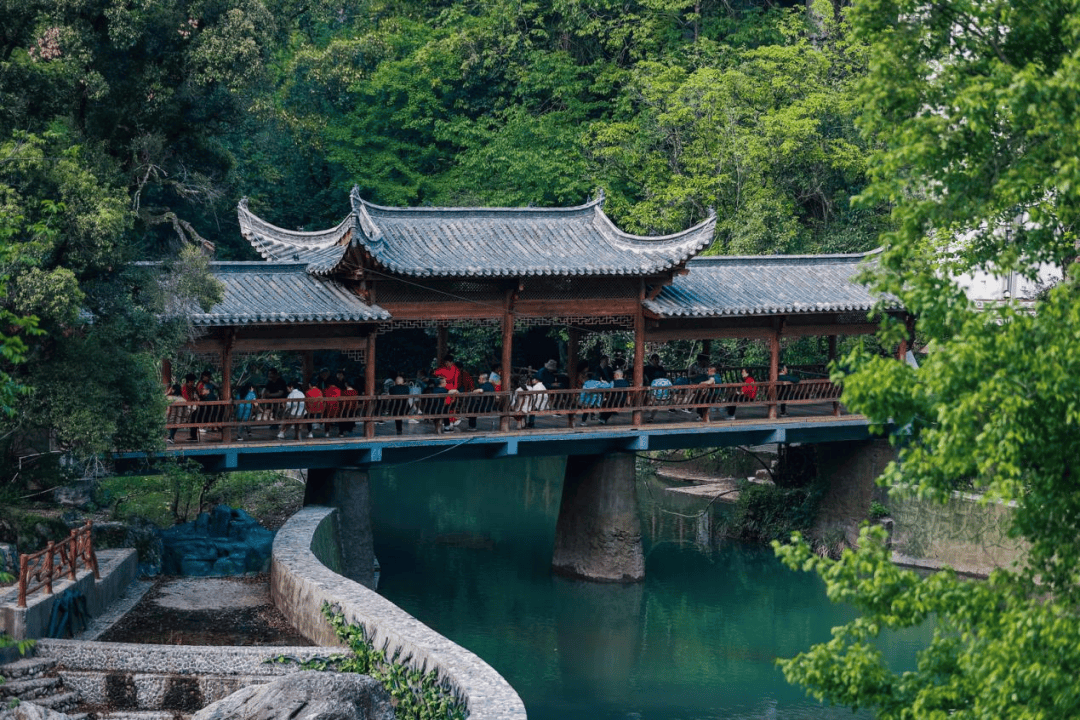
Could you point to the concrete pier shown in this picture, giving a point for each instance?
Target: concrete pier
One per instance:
(348, 490)
(598, 533)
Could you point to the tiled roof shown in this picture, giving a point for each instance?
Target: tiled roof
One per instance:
(261, 292)
(478, 242)
(772, 284)
(320, 251)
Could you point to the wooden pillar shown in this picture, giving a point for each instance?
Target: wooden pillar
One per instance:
(369, 380)
(507, 353)
(440, 351)
(572, 355)
(832, 357)
(309, 366)
(226, 386)
(166, 372)
(226, 367)
(573, 339)
(774, 367)
(706, 348)
(639, 352)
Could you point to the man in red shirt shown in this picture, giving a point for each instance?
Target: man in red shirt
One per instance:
(314, 406)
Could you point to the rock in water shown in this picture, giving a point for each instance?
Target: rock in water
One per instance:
(308, 695)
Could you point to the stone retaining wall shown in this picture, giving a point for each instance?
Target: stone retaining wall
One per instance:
(178, 678)
(966, 533)
(300, 583)
(117, 569)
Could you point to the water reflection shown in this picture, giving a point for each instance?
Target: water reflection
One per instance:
(467, 549)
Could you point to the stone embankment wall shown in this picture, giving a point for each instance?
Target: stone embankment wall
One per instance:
(301, 582)
(965, 534)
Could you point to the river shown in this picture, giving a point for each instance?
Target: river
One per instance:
(466, 548)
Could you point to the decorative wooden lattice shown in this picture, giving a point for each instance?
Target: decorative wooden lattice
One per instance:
(429, 323)
(575, 321)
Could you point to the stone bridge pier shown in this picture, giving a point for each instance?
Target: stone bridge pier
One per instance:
(348, 490)
(598, 533)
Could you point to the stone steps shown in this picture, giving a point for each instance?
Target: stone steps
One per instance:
(28, 666)
(61, 702)
(33, 680)
(142, 715)
(30, 688)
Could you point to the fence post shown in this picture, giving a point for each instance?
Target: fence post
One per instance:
(73, 540)
(91, 557)
(50, 550)
(24, 573)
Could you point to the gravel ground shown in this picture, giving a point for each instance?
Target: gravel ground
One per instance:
(206, 611)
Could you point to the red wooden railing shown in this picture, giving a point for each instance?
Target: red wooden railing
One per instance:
(508, 407)
(41, 568)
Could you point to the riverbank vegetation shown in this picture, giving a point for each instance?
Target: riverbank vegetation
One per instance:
(975, 105)
(416, 694)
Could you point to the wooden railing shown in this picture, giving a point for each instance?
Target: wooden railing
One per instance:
(39, 570)
(295, 417)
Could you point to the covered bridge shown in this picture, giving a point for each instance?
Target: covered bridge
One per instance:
(383, 269)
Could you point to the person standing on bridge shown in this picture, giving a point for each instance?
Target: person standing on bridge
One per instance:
(452, 374)
(654, 369)
(546, 375)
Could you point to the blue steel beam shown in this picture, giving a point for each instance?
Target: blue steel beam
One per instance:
(362, 452)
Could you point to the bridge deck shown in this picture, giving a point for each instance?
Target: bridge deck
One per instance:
(551, 436)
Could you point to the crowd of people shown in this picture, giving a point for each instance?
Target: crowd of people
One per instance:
(322, 404)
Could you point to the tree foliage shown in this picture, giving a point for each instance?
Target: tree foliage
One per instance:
(672, 106)
(975, 103)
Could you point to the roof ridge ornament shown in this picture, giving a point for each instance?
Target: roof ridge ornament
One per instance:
(362, 219)
(600, 197)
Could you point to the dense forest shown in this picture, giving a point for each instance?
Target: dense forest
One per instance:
(130, 129)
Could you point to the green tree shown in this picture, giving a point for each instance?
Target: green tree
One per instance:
(976, 105)
(763, 134)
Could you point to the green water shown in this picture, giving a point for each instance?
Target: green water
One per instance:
(466, 548)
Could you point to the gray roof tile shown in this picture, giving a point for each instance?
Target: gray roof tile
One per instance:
(765, 285)
(261, 292)
(491, 242)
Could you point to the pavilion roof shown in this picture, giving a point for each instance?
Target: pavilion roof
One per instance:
(480, 242)
(766, 285)
(264, 293)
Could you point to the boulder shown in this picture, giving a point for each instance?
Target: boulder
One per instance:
(9, 558)
(307, 695)
(30, 711)
(222, 542)
(80, 495)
